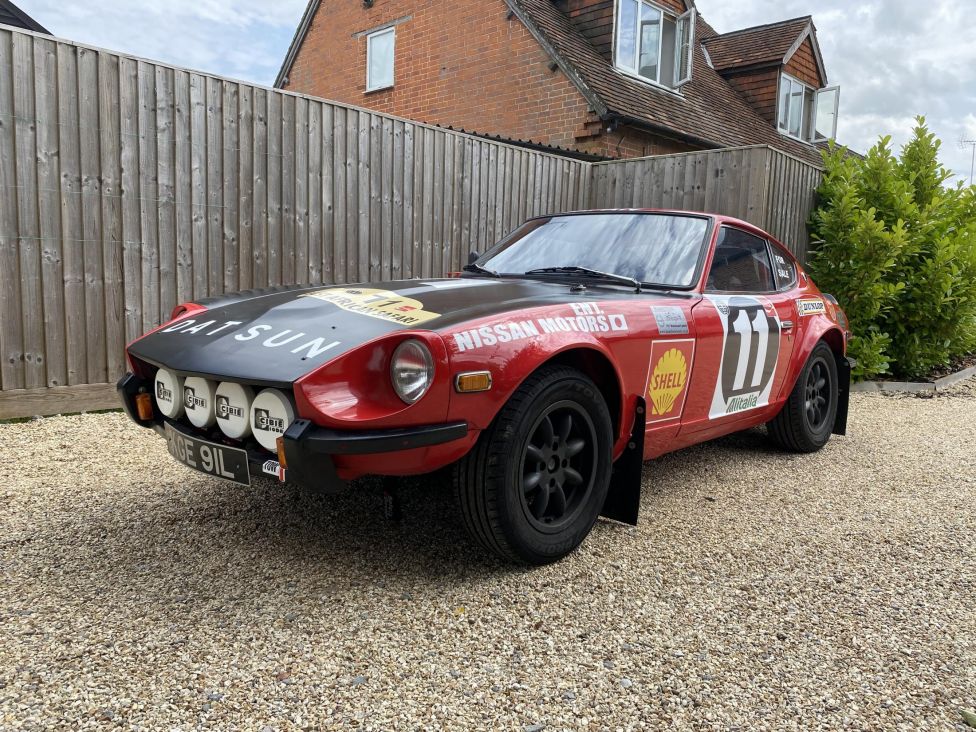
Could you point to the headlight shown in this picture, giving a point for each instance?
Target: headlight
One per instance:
(411, 370)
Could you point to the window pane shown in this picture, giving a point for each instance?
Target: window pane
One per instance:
(741, 264)
(826, 123)
(785, 269)
(650, 42)
(657, 248)
(627, 35)
(684, 48)
(784, 103)
(379, 60)
(796, 108)
(668, 41)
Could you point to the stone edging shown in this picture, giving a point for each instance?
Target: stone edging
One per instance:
(915, 386)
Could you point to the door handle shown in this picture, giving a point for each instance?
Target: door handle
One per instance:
(787, 325)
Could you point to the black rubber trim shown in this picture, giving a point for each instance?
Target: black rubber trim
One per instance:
(336, 442)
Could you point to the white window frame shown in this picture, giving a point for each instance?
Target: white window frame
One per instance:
(816, 108)
(784, 77)
(689, 18)
(370, 87)
(632, 70)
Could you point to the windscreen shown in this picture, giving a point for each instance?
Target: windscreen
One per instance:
(660, 249)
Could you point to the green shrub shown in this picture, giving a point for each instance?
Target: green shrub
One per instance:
(897, 247)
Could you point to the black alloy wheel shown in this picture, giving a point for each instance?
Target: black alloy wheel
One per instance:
(817, 395)
(558, 466)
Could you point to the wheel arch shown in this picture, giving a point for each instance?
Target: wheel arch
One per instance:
(601, 371)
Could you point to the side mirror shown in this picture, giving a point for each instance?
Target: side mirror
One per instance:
(473, 257)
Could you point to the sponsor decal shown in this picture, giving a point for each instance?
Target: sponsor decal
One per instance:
(191, 400)
(811, 306)
(586, 318)
(670, 319)
(382, 304)
(265, 422)
(301, 343)
(226, 410)
(162, 393)
(750, 351)
(274, 469)
(667, 382)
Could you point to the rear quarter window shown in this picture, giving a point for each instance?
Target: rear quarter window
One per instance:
(783, 267)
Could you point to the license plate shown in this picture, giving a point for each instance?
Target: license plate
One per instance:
(219, 461)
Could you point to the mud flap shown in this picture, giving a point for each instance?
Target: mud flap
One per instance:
(843, 395)
(623, 498)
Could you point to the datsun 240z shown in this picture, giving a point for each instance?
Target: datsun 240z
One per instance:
(576, 348)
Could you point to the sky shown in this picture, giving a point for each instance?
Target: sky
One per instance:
(891, 61)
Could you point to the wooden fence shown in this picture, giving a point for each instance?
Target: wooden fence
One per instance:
(128, 186)
(766, 187)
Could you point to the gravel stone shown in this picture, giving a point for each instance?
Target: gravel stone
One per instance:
(817, 592)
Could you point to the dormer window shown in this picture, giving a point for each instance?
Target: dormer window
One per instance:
(806, 113)
(654, 44)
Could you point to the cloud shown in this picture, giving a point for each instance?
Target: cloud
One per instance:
(892, 61)
(243, 39)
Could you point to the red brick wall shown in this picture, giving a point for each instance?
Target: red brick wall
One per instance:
(803, 66)
(460, 64)
(465, 65)
(759, 89)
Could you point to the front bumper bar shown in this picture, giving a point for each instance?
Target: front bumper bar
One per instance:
(309, 449)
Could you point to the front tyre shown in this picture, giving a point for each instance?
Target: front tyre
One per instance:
(532, 487)
(807, 419)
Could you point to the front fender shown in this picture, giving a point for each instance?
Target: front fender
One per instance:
(510, 364)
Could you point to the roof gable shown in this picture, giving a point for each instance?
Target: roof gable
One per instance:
(708, 111)
(764, 45)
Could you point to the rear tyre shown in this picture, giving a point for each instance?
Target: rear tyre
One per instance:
(532, 487)
(807, 419)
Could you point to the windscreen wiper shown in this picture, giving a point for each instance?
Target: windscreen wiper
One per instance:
(478, 269)
(587, 272)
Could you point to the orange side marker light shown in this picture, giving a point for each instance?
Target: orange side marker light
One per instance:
(144, 407)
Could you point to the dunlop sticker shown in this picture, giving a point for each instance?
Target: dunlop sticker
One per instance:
(813, 306)
(667, 382)
(382, 304)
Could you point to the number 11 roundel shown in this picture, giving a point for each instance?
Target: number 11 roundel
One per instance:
(750, 350)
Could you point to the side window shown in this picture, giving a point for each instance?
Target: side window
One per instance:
(379, 59)
(741, 263)
(783, 267)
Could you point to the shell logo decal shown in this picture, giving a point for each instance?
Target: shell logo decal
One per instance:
(375, 303)
(667, 382)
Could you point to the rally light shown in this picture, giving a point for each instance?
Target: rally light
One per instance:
(271, 413)
(472, 381)
(411, 370)
(198, 401)
(168, 391)
(232, 406)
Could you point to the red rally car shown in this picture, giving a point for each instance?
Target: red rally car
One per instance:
(579, 346)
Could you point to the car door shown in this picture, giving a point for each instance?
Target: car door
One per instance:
(744, 331)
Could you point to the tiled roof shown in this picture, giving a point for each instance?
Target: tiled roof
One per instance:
(707, 110)
(763, 44)
(10, 14)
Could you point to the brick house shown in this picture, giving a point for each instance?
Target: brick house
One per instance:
(610, 78)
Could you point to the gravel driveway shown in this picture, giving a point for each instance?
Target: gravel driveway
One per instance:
(760, 591)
